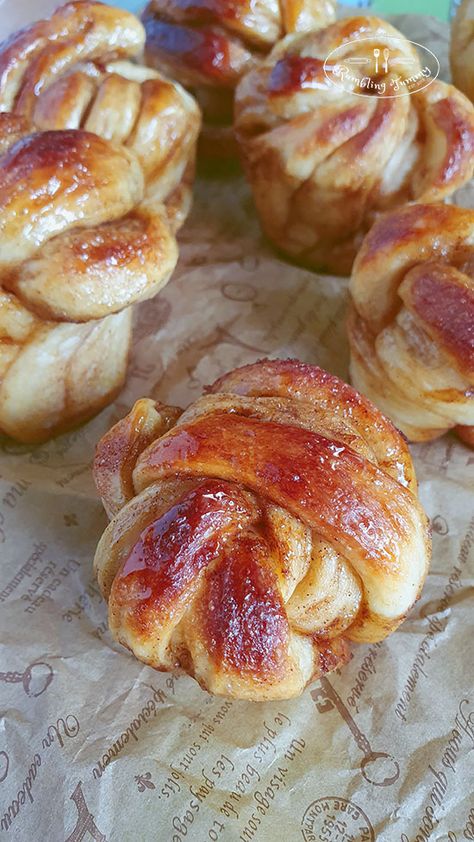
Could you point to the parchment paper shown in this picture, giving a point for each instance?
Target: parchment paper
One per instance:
(95, 746)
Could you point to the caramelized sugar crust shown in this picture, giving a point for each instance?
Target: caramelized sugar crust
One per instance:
(80, 244)
(79, 69)
(462, 48)
(326, 157)
(255, 534)
(209, 45)
(411, 323)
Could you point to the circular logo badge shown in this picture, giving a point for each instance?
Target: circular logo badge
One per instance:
(334, 819)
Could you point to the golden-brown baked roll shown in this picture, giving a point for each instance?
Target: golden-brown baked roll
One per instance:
(209, 46)
(462, 48)
(258, 532)
(74, 70)
(411, 323)
(78, 246)
(324, 160)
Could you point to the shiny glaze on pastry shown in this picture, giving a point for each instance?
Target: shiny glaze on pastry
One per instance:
(76, 70)
(78, 246)
(324, 161)
(462, 48)
(256, 534)
(411, 324)
(210, 44)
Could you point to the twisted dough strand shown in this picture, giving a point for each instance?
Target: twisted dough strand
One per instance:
(462, 48)
(411, 324)
(323, 162)
(209, 46)
(79, 31)
(74, 71)
(216, 42)
(261, 532)
(77, 248)
(69, 204)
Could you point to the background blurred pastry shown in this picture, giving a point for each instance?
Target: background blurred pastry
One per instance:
(411, 324)
(76, 70)
(322, 161)
(259, 531)
(78, 246)
(462, 48)
(208, 47)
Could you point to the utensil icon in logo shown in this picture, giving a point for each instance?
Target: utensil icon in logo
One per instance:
(387, 60)
(35, 679)
(376, 57)
(377, 767)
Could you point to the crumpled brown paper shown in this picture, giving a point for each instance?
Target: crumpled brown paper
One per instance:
(93, 745)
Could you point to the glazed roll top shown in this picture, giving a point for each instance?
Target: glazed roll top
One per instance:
(209, 47)
(331, 136)
(462, 48)
(78, 69)
(216, 42)
(411, 324)
(77, 248)
(258, 532)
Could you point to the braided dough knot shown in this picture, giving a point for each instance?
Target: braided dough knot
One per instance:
(75, 70)
(462, 48)
(259, 531)
(78, 247)
(411, 324)
(209, 46)
(216, 42)
(325, 156)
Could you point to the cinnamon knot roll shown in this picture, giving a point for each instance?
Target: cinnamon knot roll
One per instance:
(411, 324)
(462, 48)
(328, 142)
(76, 70)
(209, 46)
(259, 531)
(78, 246)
